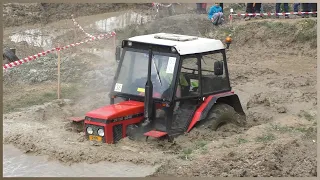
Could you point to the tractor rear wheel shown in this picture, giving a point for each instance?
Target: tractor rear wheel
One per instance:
(221, 114)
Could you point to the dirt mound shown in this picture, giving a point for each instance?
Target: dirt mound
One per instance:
(276, 150)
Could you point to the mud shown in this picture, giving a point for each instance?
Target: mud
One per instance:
(273, 72)
(15, 14)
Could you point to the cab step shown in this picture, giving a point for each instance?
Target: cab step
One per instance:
(155, 134)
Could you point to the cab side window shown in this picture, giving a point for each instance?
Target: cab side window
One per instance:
(213, 73)
(188, 77)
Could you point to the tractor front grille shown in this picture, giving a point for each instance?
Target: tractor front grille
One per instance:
(117, 133)
(95, 131)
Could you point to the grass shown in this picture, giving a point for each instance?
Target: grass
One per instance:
(241, 141)
(38, 97)
(306, 115)
(186, 153)
(265, 138)
(200, 144)
(308, 132)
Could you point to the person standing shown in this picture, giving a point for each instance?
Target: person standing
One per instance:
(204, 8)
(313, 9)
(305, 8)
(215, 14)
(257, 9)
(249, 9)
(201, 8)
(296, 7)
(286, 9)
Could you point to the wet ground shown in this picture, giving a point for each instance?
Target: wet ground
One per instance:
(277, 94)
(43, 37)
(18, 164)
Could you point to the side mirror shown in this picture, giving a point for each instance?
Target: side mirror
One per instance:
(218, 68)
(118, 53)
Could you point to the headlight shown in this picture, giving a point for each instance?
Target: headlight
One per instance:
(101, 132)
(89, 130)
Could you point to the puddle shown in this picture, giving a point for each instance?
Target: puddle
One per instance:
(107, 22)
(120, 21)
(18, 164)
(34, 37)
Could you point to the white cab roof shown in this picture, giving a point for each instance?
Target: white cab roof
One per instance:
(183, 44)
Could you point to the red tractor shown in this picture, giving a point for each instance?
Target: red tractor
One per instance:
(165, 85)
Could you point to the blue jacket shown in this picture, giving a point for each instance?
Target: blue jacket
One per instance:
(214, 9)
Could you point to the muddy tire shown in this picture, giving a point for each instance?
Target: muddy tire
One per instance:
(222, 114)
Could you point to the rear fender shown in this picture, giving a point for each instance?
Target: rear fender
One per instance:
(233, 101)
(202, 112)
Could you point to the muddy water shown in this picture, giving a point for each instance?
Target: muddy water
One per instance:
(15, 162)
(18, 164)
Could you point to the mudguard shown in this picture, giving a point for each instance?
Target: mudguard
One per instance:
(229, 98)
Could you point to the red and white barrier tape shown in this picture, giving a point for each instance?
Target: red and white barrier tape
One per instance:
(272, 14)
(78, 25)
(44, 53)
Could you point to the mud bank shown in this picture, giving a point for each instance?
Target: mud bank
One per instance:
(15, 14)
(276, 87)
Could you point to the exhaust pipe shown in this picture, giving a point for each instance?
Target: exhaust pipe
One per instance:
(148, 100)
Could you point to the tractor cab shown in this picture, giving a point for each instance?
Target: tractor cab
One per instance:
(164, 84)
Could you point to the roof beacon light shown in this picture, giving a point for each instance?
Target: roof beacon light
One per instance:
(228, 41)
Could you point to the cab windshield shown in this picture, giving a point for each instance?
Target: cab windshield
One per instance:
(133, 73)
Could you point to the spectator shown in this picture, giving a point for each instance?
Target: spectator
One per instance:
(215, 14)
(296, 7)
(286, 9)
(305, 8)
(253, 8)
(221, 5)
(313, 9)
(201, 8)
(204, 8)
(257, 7)
(249, 9)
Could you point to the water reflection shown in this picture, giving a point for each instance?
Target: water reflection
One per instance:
(33, 37)
(44, 38)
(121, 21)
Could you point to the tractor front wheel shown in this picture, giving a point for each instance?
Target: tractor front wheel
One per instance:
(221, 114)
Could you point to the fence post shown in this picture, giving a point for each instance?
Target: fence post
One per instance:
(59, 83)
(230, 16)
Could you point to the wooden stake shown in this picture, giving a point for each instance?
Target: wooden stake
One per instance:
(114, 42)
(59, 83)
(75, 34)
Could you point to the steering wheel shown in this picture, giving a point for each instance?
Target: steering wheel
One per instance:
(140, 83)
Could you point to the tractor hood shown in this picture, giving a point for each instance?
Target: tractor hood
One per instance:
(117, 110)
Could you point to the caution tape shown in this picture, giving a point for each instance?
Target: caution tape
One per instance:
(44, 53)
(78, 25)
(272, 14)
